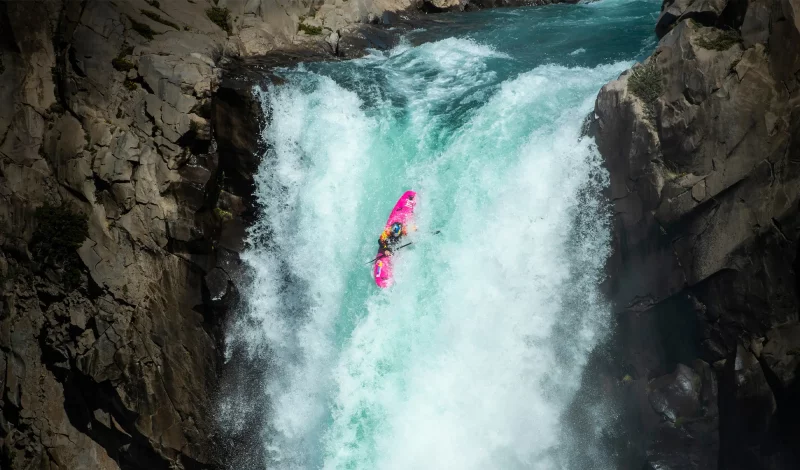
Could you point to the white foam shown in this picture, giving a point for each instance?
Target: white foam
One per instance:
(471, 358)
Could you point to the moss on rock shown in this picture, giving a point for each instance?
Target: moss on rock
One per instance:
(220, 17)
(310, 30)
(719, 40)
(159, 19)
(145, 30)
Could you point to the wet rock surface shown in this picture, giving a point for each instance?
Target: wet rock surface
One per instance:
(705, 189)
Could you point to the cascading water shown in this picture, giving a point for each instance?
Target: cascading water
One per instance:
(470, 360)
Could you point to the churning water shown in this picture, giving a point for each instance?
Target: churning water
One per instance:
(470, 360)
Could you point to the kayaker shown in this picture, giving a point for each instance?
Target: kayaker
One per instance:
(391, 237)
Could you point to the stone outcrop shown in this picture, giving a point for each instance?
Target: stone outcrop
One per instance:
(109, 358)
(702, 142)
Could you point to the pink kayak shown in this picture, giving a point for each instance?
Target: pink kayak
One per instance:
(403, 212)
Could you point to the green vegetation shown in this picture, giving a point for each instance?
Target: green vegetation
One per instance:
(59, 233)
(671, 171)
(129, 84)
(310, 30)
(646, 84)
(720, 40)
(157, 18)
(222, 214)
(627, 379)
(220, 17)
(122, 64)
(143, 29)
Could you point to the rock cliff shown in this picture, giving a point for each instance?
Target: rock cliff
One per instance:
(702, 142)
(111, 227)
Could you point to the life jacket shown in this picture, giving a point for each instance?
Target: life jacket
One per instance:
(391, 236)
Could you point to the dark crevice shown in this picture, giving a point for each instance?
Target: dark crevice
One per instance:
(100, 184)
(73, 61)
(196, 146)
(140, 80)
(785, 429)
(733, 14)
(7, 40)
(731, 17)
(428, 7)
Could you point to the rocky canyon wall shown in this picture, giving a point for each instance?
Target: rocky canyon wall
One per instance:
(702, 142)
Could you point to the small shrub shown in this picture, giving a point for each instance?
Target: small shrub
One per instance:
(310, 30)
(144, 30)
(220, 17)
(122, 64)
(646, 84)
(222, 214)
(158, 19)
(720, 40)
(129, 84)
(59, 233)
(154, 3)
(627, 379)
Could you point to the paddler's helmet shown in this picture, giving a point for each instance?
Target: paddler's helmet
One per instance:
(397, 229)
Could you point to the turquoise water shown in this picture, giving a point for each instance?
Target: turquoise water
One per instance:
(470, 360)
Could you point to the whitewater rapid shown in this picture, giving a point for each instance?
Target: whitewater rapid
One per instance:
(470, 360)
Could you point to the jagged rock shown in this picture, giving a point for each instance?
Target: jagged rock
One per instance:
(218, 283)
(673, 11)
(333, 40)
(781, 353)
(237, 134)
(755, 28)
(677, 395)
(706, 227)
